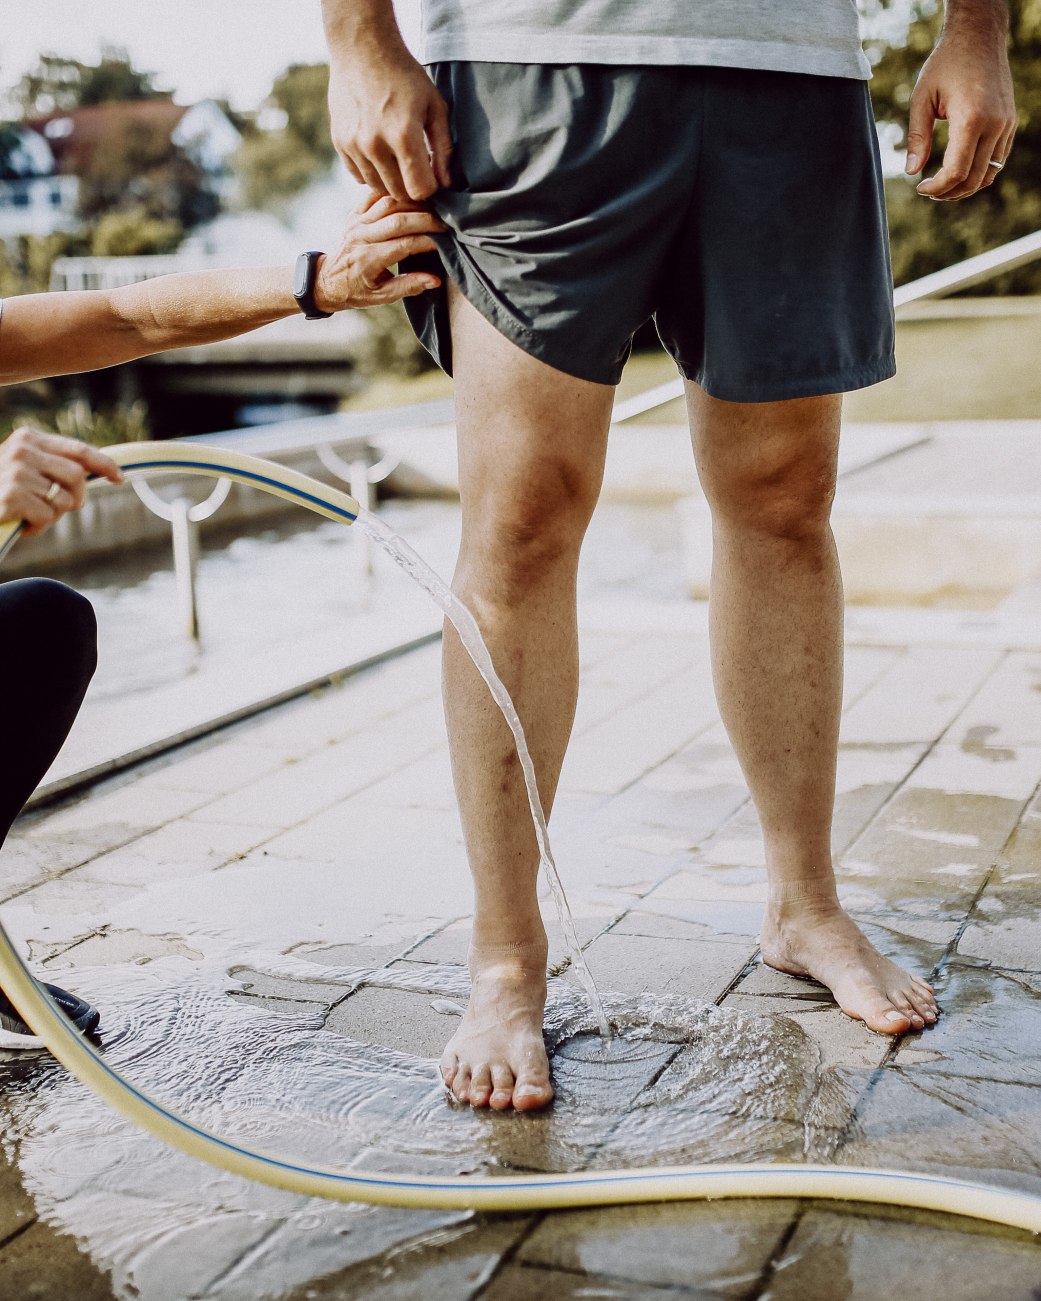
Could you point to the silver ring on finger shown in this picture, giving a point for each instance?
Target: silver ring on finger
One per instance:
(52, 491)
(996, 164)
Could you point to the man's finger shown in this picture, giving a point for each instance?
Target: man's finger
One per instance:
(363, 171)
(958, 160)
(383, 158)
(416, 170)
(920, 126)
(354, 169)
(981, 173)
(439, 137)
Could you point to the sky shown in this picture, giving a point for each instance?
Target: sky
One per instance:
(202, 49)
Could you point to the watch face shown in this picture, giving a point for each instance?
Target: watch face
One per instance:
(300, 275)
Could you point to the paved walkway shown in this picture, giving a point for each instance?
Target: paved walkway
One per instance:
(274, 924)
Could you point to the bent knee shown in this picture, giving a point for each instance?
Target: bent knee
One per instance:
(54, 623)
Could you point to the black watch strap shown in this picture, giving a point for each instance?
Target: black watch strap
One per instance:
(304, 274)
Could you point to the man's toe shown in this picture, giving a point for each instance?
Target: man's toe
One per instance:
(884, 1017)
(480, 1087)
(923, 1005)
(531, 1092)
(502, 1088)
(461, 1083)
(449, 1067)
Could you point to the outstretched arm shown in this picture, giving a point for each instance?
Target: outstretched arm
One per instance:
(389, 123)
(965, 81)
(63, 333)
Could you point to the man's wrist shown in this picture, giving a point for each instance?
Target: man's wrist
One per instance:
(361, 30)
(976, 20)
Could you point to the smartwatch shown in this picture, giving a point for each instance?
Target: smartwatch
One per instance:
(303, 285)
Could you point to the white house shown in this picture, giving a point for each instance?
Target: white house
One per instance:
(34, 198)
(42, 160)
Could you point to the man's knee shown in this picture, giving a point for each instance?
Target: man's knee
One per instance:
(523, 532)
(790, 502)
(768, 467)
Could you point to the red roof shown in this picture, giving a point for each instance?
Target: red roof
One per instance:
(73, 136)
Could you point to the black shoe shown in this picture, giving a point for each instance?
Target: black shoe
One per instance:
(14, 1033)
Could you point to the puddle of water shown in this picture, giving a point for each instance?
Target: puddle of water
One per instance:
(470, 635)
(678, 1081)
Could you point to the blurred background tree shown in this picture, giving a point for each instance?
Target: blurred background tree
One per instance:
(137, 168)
(925, 235)
(58, 84)
(291, 144)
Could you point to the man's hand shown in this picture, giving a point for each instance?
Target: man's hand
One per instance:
(390, 124)
(965, 81)
(379, 234)
(42, 476)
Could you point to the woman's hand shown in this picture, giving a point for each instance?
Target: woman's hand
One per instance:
(42, 476)
(379, 234)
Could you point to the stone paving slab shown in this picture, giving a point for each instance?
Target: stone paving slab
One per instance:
(338, 810)
(862, 1256)
(722, 1249)
(976, 1129)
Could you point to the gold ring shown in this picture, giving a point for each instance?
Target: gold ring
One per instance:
(53, 490)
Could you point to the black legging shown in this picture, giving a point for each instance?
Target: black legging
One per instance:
(48, 654)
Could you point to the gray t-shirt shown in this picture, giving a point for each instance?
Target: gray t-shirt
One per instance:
(821, 37)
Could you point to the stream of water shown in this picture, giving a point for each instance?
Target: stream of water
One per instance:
(470, 635)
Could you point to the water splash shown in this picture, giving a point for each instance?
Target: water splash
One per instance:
(466, 626)
(680, 1081)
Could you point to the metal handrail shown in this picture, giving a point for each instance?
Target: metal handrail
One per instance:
(962, 275)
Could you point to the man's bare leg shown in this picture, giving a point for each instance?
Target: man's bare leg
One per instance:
(531, 454)
(768, 470)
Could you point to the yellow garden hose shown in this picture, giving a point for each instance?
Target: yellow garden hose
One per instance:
(510, 1192)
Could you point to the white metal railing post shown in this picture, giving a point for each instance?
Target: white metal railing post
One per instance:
(184, 518)
(361, 475)
(186, 556)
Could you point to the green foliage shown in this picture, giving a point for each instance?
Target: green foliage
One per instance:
(25, 262)
(103, 426)
(390, 346)
(58, 84)
(99, 426)
(927, 236)
(302, 92)
(274, 165)
(133, 233)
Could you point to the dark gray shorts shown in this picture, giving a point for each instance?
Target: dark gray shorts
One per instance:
(742, 210)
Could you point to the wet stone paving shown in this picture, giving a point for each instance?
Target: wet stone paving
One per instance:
(274, 923)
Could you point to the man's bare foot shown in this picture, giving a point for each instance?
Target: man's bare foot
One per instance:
(497, 1057)
(815, 937)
